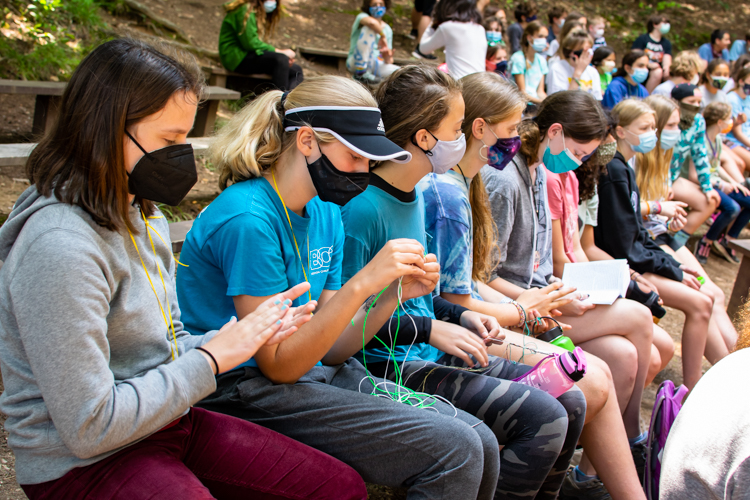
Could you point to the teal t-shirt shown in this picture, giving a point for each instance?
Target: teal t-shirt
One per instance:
(371, 220)
(357, 32)
(241, 244)
(533, 75)
(739, 105)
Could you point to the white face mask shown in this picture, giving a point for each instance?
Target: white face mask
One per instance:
(599, 33)
(694, 80)
(445, 155)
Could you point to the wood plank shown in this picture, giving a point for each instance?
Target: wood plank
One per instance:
(214, 93)
(178, 232)
(742, 246)
(32, 87)
(741, 287)
(342, 54)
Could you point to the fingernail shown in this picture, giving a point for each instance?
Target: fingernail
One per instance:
(277, 302)
(287, 302)
(233, 318)
(283, 307)
(278, 322)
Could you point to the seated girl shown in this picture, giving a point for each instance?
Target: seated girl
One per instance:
(605, 61)
(628, 81)
(422, 111)
(620, 233)
(457, 29)
(371, 46)
(100, 376)
(286, 163)
(713, 81)
(528, 66)
(244, 47)
(572, 71)
(518, 199)
(738, 139)
(464, 239)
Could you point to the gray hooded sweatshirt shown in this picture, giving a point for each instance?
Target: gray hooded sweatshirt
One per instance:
(84, 350)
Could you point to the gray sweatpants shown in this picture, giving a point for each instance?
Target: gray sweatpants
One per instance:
(432, 453)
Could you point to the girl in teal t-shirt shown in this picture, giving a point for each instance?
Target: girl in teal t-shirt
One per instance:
(287, 162)
(422, 112)
(244, 47)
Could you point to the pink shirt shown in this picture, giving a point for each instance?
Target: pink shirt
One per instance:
(562, 194)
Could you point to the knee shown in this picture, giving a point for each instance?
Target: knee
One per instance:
(641, 321)
(718, 295)
(654, 366)
(478, 446)
(734, 209)
(596, 385)
(628, 363)
(701, 305)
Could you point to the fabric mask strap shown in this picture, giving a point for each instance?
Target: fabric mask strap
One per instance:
(427, 152)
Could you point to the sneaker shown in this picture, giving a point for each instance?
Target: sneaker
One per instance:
(702, 250)
(412, 35)
(639, 458)
(592, 489)
(418, 54)
(368, 79)
(721, 248)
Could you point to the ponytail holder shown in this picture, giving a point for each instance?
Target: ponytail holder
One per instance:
(283, 100)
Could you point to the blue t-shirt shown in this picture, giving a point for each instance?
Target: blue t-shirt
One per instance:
(706, 53)
(619, 89)
(448, 220)
(739, 47)
(371, 220)
(241, 244)
(739, 105)
(533, 75)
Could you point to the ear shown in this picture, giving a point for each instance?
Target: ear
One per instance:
(306, 143)
(478, 128)
(554, 129)
(422, 138)
(619, 132)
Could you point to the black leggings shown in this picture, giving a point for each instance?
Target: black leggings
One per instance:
(283, 75)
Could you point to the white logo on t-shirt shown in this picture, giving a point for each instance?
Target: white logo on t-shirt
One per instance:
(320, 260)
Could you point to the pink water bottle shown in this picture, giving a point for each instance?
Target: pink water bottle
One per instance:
(556, 373)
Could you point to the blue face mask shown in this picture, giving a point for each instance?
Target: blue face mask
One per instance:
(269, 6)
(565, 161)
(669, 138)
(640, 75)
(647, 141)
(377, 11)
(494, 37)
(539, 44)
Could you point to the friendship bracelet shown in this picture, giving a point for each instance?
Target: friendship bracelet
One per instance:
(216, 363)
(658, 207)
(521, 314)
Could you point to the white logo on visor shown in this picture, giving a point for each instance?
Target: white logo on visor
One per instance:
(381, 127)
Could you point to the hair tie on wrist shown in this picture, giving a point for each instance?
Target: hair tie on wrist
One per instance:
(216, 363)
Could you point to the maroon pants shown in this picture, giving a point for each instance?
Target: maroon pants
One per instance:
(209, 455)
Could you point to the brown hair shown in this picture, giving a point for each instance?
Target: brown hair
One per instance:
(743, 74)
(652, 168)
(270, 19)
(629, 59)
(575, 40)
(525, 8)
(117, 85)
(653, 20)
(581, 116)
(739, 65)
(366, 5)
(556, 12)
(531, 30)
(491, 97)
(413, 98)
(716, 111)
(715, 63)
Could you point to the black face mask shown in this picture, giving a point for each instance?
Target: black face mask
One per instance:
(334, 185)
(687, 115)
(165, 175)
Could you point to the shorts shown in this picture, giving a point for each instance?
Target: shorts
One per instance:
(668, 239)
(424, 6)
(734, 144)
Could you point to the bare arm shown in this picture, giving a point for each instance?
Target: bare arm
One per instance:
(559, 259)
(506, 288)
(737, 132)
(666, 62)
(589, 247)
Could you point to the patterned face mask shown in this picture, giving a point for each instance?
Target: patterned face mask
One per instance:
(605, 153)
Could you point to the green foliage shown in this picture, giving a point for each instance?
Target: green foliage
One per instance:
(173, 214)
(46, 39)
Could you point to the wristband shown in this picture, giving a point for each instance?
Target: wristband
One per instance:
(521, 314)
(658, 207)
(216, 363)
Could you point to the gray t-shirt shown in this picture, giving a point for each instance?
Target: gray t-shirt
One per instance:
(707, 456)
(514, 34)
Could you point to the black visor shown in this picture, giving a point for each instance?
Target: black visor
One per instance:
(360, 129)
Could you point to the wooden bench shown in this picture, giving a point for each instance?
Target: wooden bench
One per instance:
(178, 232)
(48, 103)
(338, 57)
(742, 281)
(217, 77)
(14, 155)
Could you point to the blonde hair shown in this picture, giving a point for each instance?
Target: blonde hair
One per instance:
(716, 111)
(685, 64)
(574, 41)
(652, 169)
(491, 97)
(254, 140)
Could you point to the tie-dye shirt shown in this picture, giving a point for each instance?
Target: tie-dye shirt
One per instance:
(448, 221)
(692, 145)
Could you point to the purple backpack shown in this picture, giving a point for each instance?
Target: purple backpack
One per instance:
(666, 407)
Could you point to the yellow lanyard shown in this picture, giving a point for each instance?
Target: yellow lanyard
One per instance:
(289, 220)
(170, 324)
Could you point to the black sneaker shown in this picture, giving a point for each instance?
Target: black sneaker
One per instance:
(702, 250)
(592, 489)
(412, 35)
(639, 458)
(721, 248)
(418, 54)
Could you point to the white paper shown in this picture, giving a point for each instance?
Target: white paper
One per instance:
(604, 281)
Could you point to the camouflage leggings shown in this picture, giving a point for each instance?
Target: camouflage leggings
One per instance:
(537, 432)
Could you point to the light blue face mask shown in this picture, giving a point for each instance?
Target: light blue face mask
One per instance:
(377, 11)
(539, 44)
(647, 141)
(565, 161)
(269, 5)
(640, 75)
(494, 37)
(669, 138)
(664, 28)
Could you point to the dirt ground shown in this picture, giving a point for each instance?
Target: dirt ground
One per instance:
(326, 24)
